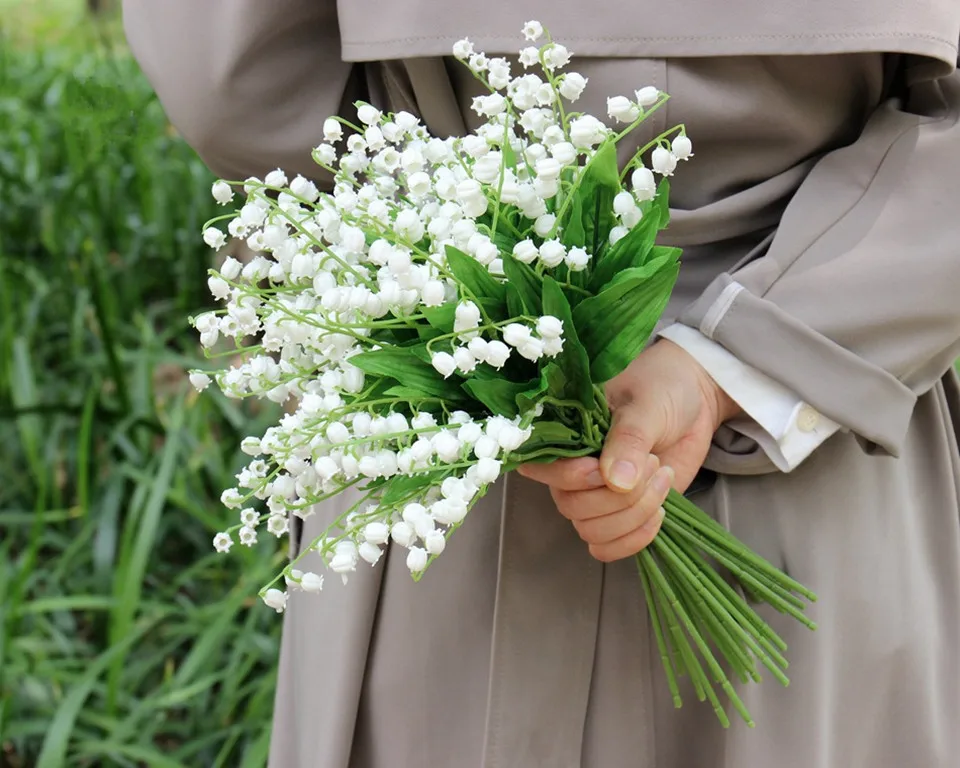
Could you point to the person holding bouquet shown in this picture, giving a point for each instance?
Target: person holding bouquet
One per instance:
(801, 390)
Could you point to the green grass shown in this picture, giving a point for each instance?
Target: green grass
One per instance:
(124, 640)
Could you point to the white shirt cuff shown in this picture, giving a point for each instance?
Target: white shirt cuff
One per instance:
(786, 428)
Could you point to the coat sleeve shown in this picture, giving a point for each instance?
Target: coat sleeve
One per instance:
(248, 83)
(856, 305)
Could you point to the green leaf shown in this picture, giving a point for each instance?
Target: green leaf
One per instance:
(599, 184)
(515, 304)
(474, 276)
(574, 235)
(530, 397)
(662, 202)
(404, 366)
(573, 360)
(526, 281)
(615, 324)
(411, 394)
(400, 488)
(498, 395)
(632, 250)
(547, 434)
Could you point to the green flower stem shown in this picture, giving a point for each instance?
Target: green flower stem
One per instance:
(770, 581)
(771, 642)
(665, 657)
(711, 621)
(763, 588)
(716, 670)
(762, 581)
(718, 609)
(692, 511)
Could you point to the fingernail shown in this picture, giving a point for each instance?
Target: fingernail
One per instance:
(663, 480)
(652, 465)
(623, 475)
(595, 479)
(656, 519)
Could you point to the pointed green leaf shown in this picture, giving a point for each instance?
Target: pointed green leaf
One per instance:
(632, 250)
(599, 184)
(615, 324)
(403, 365)
(474, 276)
(573, 360)
(526, 281)
(574, 235)
(498, 395)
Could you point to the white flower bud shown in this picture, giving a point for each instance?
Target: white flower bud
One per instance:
(304, 188)
(586, 132)
(418, 183)
(486, 447)
(548, 169)
(663, 161)
(424, 526)
(332, 130)
(552, 347)
(465, 361)
(552, 253)
(647, 96)
(621, 109)
(488, 470)
(532, 30)
(275, 178)
(337, 433)
(543, 226)
(222, 542)
(446, 446)
(221, 192)
(214, 238)
(416, 559)
(564, 152)
(623, 203)
(549, 327)
(368, 114)
(403, 534)
(478, 348)
(468, 434)
(572, 85)
(199, 380)
(423, 420)
(497, 354)
(644, 184)
(443, 363)
(370, 552)
(311, 582)
(466, 316)
(577, 259)
(376, 533)
(433, 293)
(526, 250)
(682, 148)
(556, 56)
(617, 234)
(531, 349)
(276, 599)
(515, 334)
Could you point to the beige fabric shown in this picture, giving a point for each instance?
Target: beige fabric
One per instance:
(517, 649)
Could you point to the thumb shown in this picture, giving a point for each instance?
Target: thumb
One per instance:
(625, 461)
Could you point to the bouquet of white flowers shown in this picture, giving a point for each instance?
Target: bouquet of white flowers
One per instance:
(452, 310)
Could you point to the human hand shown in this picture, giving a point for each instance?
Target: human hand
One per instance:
(665, 410)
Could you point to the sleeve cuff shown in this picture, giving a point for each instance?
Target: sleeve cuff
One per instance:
(848, 389)
(787, 429)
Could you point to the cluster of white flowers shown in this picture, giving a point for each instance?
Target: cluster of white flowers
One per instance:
(336, 273)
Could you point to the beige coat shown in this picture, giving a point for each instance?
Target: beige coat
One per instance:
(826, 181)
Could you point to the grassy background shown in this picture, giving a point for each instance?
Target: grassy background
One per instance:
(124, 640)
